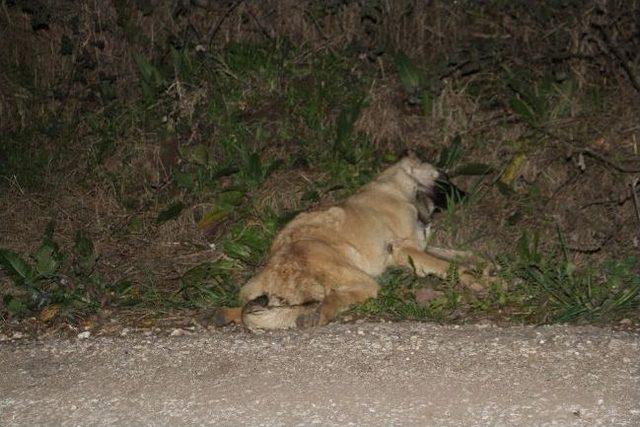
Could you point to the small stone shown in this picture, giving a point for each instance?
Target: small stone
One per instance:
(17, 335)
(178, 332)
(626, 321)
(84, 335)
(424, 296)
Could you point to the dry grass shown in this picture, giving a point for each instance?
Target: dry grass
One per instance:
(467, 53)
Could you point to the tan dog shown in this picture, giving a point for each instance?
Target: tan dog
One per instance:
(325, 261)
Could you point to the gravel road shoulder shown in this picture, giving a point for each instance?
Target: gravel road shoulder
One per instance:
(364, 374)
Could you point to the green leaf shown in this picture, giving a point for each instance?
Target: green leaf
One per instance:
(408, 73)
(231, 197)
(151, 80)
(504, 189)
(181, 64)
(170, 212)
(451, 154)
(207, 270)
(46, 259)
(523, 247)
(185, 180)
(426, 102)
(83, 244)
(16, 267)
(85, 255)
(198, 154)
(524, 110)
(254, 169)
(344, 129)
(237, 250)
(16, 306)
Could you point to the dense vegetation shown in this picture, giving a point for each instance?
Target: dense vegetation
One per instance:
(150, 150)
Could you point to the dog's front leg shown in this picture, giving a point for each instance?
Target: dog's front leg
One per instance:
(427, 264)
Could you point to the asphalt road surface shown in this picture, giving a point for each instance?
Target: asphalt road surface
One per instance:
(343, 374)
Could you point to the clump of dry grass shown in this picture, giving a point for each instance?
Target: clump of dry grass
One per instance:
(381, 120)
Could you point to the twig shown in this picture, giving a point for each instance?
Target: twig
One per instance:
(634, 194)
(584, 249)
(635, 82)
(585, 151)
(590, 249)
(618, 202)
(608, 162)
(216, 28)
(263, 29)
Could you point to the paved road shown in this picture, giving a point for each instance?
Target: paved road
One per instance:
(359, 374)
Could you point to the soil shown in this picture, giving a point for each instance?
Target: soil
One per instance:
(344, 374)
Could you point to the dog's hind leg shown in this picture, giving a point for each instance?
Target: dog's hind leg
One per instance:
(340, 299)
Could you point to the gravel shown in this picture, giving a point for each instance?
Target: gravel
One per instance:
(343, 374)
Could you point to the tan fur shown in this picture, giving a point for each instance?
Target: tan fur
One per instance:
(325, 261)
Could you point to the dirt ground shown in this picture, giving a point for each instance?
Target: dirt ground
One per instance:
(345, 374)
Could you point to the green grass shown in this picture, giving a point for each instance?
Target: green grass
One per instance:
(52, 276)
(552, 289)
(229, 109)
(396, 298)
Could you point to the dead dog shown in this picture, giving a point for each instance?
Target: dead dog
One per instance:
(325, 261)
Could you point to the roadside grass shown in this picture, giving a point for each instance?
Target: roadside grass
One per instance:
(397, 298)
(53, 281)
(252, 112)
(553, 289)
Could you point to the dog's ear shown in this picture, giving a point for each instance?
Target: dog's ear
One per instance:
(412, 154)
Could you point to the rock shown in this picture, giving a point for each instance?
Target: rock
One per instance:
(84, 335)
(424, 296)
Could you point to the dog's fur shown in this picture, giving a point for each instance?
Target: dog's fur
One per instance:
(323, 262)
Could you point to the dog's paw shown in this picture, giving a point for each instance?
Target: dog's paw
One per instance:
(222, 316)
(309, 318)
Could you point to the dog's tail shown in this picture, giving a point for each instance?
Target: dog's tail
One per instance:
(257, 315)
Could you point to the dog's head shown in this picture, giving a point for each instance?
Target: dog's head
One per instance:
(424, 174)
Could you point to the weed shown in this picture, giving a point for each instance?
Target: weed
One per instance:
(210, 284)
(539, 100)
(415, 83)
(557, 291)
(46, 280)
(396, 299)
